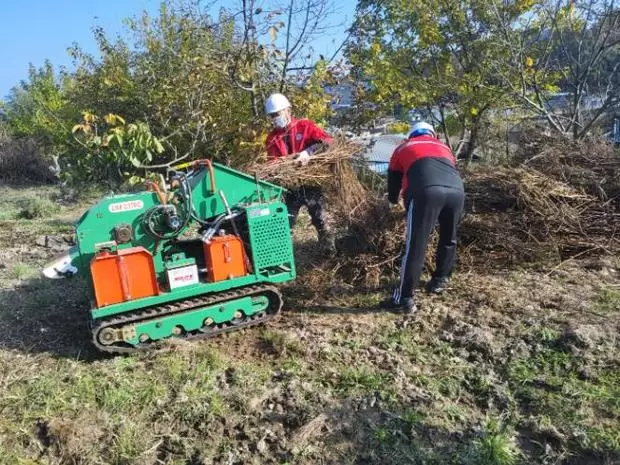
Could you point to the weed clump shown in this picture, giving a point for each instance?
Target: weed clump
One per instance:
(495, 446)
(34, 208)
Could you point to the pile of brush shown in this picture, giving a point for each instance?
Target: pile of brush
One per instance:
(517, 215)
(512, 216)
(558, 204)
(561, 203)
(590, 166)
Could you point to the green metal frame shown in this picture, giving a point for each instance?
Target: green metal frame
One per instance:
(267, 218)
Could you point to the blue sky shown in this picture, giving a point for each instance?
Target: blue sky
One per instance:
(35, 30)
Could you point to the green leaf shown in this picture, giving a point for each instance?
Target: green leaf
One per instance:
(134, 180)
(159, 148)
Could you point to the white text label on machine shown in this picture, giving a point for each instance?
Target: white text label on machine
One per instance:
(183, 276)
(126, 206)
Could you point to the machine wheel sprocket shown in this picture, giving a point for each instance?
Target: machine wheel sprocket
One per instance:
(103, 326)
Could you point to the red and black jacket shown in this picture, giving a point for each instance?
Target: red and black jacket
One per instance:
(418, 163)
(299, 135)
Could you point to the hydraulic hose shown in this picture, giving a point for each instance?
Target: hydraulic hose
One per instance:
(155, 188)
(209, 165)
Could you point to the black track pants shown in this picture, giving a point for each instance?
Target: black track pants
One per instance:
(311, 197)
(432, 204)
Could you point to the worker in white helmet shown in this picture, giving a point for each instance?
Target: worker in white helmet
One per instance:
(299, 138)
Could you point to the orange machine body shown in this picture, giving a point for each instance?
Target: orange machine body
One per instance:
(225, 258)
(126, 274)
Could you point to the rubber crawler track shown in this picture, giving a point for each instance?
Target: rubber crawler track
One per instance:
(142, 315)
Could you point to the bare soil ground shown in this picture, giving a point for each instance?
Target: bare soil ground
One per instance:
(510, 366)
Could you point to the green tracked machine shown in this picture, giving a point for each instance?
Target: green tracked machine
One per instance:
(193, 256)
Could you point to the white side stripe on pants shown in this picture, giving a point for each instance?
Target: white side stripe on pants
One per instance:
(403, 264)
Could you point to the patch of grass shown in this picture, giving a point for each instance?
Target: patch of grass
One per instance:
(401, 340)
(364, 300)
(66, 389)
(9, 212)
(198, 403)
(281, 343)
(351, 343)
(412, 418)
(607, 301)
(37, 207)
(180, 368)
(479, 384)
(548, 366)
(495, 446)
(442, 374)
(408, 439)
(547, 335)
(20, 271)
(585, 411)
(193, 393)
(355, 380)
(454, 413)
(293, 365)
(382, 434)
(130, 442)
(133, 402)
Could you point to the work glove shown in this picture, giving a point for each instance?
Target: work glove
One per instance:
(302, 158)
(391, 206)
(387, 202)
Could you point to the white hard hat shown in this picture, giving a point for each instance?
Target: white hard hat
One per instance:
(275, 103)
(421, 128)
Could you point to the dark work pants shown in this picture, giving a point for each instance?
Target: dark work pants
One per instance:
(432, 204)
(312, 198)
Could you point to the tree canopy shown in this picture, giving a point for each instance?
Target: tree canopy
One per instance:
(192, 82)
(186, 83)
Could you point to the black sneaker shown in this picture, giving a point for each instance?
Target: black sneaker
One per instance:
(406, 306)
(436, 285)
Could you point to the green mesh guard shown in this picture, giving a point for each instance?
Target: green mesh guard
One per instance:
(270, 236)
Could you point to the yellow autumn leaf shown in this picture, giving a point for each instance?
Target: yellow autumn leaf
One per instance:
(524, 5)
(273, 33)
(89, 117)
(113, 119)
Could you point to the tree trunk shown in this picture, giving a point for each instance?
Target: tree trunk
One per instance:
(576, 116)
(473, 138)
(444, 128)
(254, 102)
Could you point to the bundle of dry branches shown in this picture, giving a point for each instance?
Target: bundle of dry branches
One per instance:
(321, 170)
